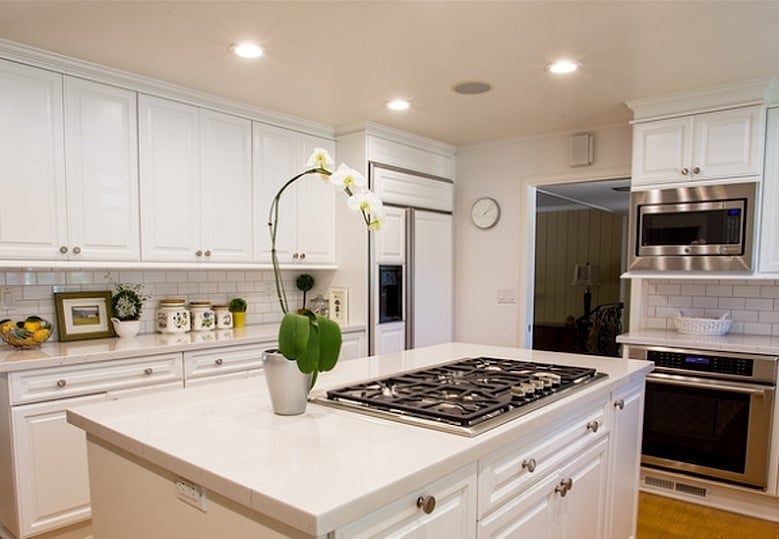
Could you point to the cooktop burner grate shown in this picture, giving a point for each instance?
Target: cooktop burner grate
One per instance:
(463, 394)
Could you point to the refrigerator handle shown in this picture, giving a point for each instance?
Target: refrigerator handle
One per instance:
(408, 314)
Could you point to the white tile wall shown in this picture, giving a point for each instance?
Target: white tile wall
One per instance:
(32, 291)
(753, 305)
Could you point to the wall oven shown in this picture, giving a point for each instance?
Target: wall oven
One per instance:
(709, 414)
(708, 228)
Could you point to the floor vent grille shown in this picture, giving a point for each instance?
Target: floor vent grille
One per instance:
(673, 485)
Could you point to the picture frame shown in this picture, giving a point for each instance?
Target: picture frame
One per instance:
(83, 315)
(339, 305)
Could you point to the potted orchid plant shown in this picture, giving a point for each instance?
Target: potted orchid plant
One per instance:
(311, 340)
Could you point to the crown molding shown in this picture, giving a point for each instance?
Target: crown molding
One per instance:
(398, 136)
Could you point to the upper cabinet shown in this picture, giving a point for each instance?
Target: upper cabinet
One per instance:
(722, 144)
(306, 225)
(769, 228)
(88, 210)
(196, 183)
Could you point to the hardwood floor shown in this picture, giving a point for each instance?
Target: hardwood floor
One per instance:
(663, 518)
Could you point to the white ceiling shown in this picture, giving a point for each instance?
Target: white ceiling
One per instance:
(339, 62)
(606, 195)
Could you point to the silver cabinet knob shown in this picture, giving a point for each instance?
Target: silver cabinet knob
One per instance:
(529, 465)
(77, 250)
(147, 371)
(198, 253)
(208, 252)
(696, 170)
(62, 382)
(619, 403)
(218, 361)
(302, 256)
(63, 249)
(564, 486)
(295, 256)
(426, 503)
(593, 426)
(685, 171)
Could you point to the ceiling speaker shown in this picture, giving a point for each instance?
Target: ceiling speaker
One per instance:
(580, 150)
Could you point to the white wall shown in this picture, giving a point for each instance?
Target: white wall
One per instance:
(502, 257)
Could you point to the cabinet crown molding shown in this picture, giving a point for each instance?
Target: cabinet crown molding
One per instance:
(398, 136)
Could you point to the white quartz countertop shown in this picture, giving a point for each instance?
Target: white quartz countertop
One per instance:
(752, 344)
(325, 468)
(69, 353)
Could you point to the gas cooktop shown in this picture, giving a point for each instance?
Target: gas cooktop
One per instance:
(466, 397)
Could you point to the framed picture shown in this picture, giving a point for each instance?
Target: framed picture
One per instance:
(339, 301)
(83, 315)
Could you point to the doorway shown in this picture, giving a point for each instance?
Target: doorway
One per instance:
(579, 300)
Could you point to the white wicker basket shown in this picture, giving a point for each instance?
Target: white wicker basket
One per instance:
(703, 326)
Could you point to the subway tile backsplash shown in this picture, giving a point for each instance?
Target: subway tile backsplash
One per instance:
(32, 291)
(753, 305)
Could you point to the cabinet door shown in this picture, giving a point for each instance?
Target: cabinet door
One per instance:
(102, 171)
(51, 470)
(170, 180)
(454, 514)
(625, 457)
(769, 226)
(274, 164)
(661, 150)
(390, 337)
(33, 218)
(528, 515)
(352, 346)
(226, 180)
(728, 143)
(390, 245)
(582, 509)
(316, 208)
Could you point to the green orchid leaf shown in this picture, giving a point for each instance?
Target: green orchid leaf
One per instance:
(294, 335)
(309, 362)
(329, 343)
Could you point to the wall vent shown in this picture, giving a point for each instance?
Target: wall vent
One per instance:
(659, 483)
(580, 150)
(674, 486)
(690, 489)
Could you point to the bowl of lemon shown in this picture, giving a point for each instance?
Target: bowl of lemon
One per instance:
(28, 333)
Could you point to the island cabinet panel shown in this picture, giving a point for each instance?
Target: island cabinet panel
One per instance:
(223, 363)
(453, 513)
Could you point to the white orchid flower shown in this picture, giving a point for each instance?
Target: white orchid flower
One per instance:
(320, 159)
(348, 178)
(376, 222)
(365, 201)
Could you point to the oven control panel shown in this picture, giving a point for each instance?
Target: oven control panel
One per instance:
(695, 361)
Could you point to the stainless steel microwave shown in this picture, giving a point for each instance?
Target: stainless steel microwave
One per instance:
(702, 228)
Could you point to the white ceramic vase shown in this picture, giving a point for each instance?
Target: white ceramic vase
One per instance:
(126, 328)
(288, 387)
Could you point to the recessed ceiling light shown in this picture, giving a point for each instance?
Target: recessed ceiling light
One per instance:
(398, 104)
(247, 50)
(563, 66)
(472, 88)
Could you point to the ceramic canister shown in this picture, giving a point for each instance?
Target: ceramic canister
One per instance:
(172, 316)
(224, 318)
(203, 318)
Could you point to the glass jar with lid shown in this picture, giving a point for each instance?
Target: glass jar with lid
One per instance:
(202, 316)
(224, 318)
(172, 316)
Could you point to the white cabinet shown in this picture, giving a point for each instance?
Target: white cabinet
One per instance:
(306, 225)
(205, 366)
(87, 210)
(769, 225)
(196, 184)
(389, 337)
(352, 345)
(390, 244)
(447, 508)
(722, 144)
(49, 459)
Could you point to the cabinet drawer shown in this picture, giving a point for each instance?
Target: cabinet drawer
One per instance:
(221, 361)
(63, 382)
(508, 472)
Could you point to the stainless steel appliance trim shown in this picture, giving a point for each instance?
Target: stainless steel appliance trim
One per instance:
(687, 381)
(673, 258)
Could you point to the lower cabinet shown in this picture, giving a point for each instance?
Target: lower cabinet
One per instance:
(352, 345)
(219, 364)
(447, 508)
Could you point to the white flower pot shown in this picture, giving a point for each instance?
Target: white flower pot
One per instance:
(126, 328)
(288, 387)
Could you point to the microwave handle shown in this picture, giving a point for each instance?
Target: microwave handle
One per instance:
(683, 381)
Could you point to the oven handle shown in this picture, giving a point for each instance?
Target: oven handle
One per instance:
(685, 381)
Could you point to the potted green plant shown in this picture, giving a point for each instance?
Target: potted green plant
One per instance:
(238, 307)
(310, 340)
(127, 302)
(304, 282)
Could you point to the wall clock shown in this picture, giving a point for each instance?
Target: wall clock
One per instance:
(485, 212)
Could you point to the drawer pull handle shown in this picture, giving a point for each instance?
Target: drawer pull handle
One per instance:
(218, 361)
(77, 250)
(147, 371)
(426, 503)
(62, 383)
(696, 170)
(619, 403)
(529, 465)
(198, 253)
(593, 426)
(685, 171)
(564, 486)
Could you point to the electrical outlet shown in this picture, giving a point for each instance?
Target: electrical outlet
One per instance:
(194, 495)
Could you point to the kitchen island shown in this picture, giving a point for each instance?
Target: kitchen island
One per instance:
(338, 473)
